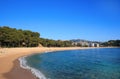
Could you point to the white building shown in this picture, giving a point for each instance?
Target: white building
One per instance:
(97, 45)
(94, 45)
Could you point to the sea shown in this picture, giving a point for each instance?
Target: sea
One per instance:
(98, 63)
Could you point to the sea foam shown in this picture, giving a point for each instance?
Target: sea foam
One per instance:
(37, 73)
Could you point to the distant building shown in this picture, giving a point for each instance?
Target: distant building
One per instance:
(23, 44)
(74, 43)
(84, 44)
(91, 45)
(96, 45)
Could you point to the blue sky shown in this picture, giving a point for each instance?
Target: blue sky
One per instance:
(64, 19)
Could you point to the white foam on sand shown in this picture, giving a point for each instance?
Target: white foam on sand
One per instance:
(37, 73)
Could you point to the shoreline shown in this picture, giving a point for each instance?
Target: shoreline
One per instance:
(10, 66)
(19, 73)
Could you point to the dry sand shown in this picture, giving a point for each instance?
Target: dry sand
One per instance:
(9, 66)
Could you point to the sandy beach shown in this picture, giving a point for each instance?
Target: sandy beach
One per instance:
(10, 67)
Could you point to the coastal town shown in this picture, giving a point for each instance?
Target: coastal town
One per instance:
(84, 43)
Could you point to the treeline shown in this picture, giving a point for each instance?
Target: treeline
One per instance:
(55, 43)
(112, 43)
(11, 37)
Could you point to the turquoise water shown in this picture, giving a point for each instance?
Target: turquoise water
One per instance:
(101, 63)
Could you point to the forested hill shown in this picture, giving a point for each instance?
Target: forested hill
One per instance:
(11, 37)
(112, 43)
